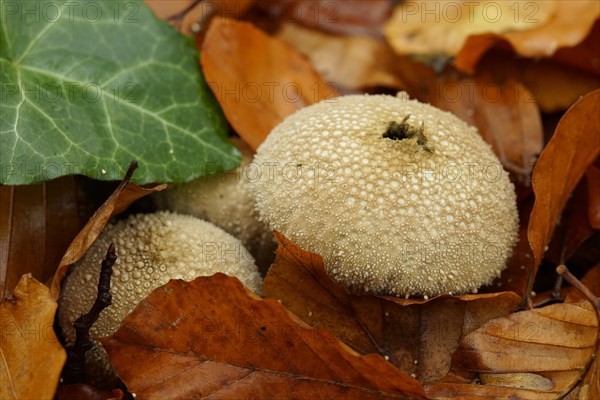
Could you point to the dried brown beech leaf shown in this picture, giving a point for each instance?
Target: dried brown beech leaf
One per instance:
(442, 28)
(352, 62)
(593, 185)
(534, 354)
(574, 227)
(591, 280)
(589, 387)
(357, 62)
(81, 391)
(214, 338)
(257, 79)
(343, 17)
(465, 391)
(188, 16)
(554, 86)
(31, 355)
(584, 56)
(505, 114)
(515, 277)
(125, 194)
(37, 223)
(417, 336)
(572, 149)
(568, 25)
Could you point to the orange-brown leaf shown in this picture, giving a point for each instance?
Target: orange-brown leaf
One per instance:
(355, 18)
(185, 14)
(213, 338)
(418, 336)
(591, 280)
(539, 354)
(82, 391)
(515, 277)
(443, 28)
(505, 114)
(37, 223)
(567, 26)
(554, 86)
(352, 62)
(357, 62)
(31, 355)
(574, 228)
(589, 388)
(125, 194)
(257, 79)
(593, 185)
(583, 56)
(574, 146)
(466, 391)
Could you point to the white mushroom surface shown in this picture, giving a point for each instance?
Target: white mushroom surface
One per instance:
(225, 200)
(397, 196)
(152, 249)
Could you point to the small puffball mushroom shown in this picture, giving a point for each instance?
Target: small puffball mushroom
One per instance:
(225, 200)
(151, 249)
(398, 197)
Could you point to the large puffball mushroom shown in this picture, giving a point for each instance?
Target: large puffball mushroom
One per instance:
(151, 249)
(397, 196)
(225, 200)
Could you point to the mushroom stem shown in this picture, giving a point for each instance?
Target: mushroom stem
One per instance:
(75, 368)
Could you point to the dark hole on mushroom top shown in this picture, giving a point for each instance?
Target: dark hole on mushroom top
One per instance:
(403, 130)
(397, 131)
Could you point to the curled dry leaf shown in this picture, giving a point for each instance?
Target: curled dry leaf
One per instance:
(355, 18)
(515, 277)
(82, 391)
(593, 185)
(258, 80)
(504, 112)
(584, 56)
(32, 357)
(442, 28)
(352, 62)
(554, 86)
(574, 227)
(46, 215)
(534, 354)
(125, 194)
(189, 15)
(357, 63)
(591, 280)
(573, 148)
(214, 338)
(567, 24)
(417, 336)
(589, 388)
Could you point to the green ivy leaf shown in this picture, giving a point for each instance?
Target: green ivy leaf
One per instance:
(88, 86)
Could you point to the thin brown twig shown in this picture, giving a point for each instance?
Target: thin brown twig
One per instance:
(75, 368)
(133, 165)
(563, 271)
(559, 279)
(178, 17)
(557, 287)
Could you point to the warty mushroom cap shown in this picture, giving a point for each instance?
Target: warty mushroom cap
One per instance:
(152, 249)
(397, 196)
(225, 200)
